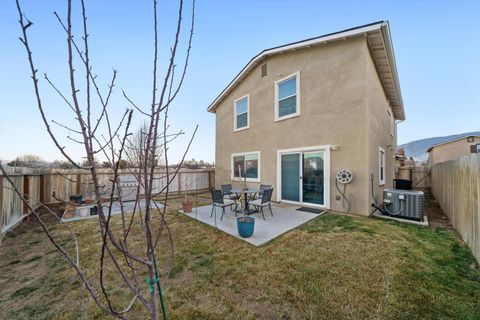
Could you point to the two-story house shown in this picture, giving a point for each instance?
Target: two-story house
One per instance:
(298, 113)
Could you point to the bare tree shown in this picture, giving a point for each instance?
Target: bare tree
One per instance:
(137, 142)
(28, 161)
(150, 223)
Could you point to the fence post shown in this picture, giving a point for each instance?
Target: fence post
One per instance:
(26, 192)
(47, 187)
(77, 186)
(209, 180)
(179, 182)
(42, 188)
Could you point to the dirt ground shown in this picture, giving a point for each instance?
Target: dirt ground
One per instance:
(435, 214)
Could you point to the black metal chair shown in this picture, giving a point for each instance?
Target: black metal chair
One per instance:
(258, 195)
(264, 201)
(219, 201)
(228, 194)
(265, 186)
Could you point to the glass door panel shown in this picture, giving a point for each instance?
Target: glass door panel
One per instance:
(313, 177)
(290, 167)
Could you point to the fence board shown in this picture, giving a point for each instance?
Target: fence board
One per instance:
(34, 194)
(456, 186)
(12, 206)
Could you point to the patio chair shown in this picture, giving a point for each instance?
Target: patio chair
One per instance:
(264, 201)
(258, 195)
(228, 194)
(219, 201)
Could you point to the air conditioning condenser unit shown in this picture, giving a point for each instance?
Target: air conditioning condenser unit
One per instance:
(404, 204)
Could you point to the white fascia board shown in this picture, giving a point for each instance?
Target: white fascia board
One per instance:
(392, 66)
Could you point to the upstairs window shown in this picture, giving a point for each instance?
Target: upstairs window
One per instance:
(246, 164)
(241, 113)
(287, 97)
(381, 166)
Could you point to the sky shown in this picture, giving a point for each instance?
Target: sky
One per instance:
(436, 44)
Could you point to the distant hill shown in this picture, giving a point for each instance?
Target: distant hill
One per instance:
(418, 148)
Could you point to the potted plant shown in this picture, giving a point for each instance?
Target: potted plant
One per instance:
(70, 210)
(245, 224)
(186, 204)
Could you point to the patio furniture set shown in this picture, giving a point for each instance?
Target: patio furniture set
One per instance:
(247, 198)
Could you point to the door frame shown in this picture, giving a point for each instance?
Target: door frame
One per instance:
(326, 172)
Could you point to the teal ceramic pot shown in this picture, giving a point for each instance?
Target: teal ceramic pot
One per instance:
(245, 226)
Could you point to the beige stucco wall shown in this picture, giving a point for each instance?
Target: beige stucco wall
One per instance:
(450, 151)
(334, 99)
(381, 133)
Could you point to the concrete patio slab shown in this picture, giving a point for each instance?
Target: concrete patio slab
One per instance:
(266, 230)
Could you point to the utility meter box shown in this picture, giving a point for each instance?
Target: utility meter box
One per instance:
(406, 204)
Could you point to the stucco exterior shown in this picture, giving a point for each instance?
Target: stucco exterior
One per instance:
(381, 133)
(342, 104)
(451, 150)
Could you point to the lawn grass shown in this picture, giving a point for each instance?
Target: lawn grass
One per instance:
(333, 267)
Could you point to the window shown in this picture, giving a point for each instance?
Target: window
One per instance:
(381, 166)
(246, 164)
(470, 139)
(242, 120)
(287, 97)
(478, 148)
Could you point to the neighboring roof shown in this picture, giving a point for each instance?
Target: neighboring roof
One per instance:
(379, 41)
(449, 141)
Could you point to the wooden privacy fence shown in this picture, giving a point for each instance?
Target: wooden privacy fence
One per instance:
(419, 174)
(57, 186)
(12, 209)
(456, 186)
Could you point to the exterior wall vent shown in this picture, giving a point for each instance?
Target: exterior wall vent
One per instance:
(264, 70)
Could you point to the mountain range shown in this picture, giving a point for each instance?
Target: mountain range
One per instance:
(418, 149)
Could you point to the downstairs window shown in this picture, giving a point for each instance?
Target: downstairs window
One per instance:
(246, 165)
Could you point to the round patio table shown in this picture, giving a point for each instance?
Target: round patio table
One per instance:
(246, 192)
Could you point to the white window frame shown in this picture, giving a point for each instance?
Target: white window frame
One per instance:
(235, 129)
(233, 178)
(297, 92)
(381, 159)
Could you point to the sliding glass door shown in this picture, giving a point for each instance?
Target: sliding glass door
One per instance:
(312, 177)
(290, 179)
(303, 177)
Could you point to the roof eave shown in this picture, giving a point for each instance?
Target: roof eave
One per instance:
(393, 68)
